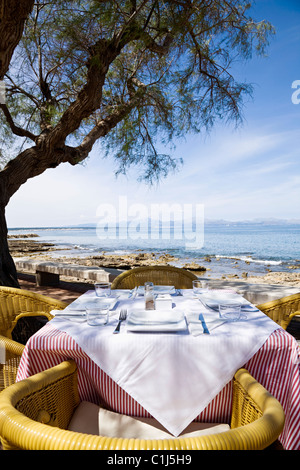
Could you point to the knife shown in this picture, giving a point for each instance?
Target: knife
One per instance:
(205, 329)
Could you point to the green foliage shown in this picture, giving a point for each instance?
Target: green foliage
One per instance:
(172, 59)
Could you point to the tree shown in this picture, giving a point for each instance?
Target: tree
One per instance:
(130, 74)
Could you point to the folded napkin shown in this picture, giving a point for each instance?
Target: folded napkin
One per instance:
(90, 299)
(66, 313)
(77, 316)
(214, 299)
(160, 320)
(195, 326)
(154, 317)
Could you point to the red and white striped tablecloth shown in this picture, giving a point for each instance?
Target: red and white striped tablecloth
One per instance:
(276, 366)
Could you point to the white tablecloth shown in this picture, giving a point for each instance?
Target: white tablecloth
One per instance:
(170, 371)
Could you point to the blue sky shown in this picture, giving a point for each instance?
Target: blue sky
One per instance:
(237, 174)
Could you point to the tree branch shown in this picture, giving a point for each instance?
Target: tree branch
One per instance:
(13, 16)
(103, 126)
(15, 129)
(15, 88)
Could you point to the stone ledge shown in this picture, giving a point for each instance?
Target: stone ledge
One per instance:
(48, 272)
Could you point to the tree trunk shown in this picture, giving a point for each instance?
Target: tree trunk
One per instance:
(8, 272)
(17, 171)
(13, 14)
(28, 164)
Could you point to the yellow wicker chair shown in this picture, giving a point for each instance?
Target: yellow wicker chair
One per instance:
(282, 310)
(19, 303)
(10, 355)
(52, 396)
(159, 275)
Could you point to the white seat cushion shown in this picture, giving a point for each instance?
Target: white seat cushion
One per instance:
(92, 419)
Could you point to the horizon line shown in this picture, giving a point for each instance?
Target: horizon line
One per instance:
(270, 221)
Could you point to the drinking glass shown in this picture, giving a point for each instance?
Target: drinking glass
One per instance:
(97, 316)
(197, 287)
(148, 284)
(205, 286)
(103, 289)
(230, 312)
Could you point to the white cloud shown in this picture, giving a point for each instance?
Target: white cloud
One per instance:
(239, 175)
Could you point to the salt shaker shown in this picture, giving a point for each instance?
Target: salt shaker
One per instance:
(149, 296)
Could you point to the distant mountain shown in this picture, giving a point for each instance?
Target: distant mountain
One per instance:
(92, 225)
(258, 221)
(270, 221)
(261, 221)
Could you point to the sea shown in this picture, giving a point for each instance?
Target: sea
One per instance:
(222, 248)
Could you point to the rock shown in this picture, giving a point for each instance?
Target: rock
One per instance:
(281, 278)
(194, 267)
(125, 262)
(167, 257)
(17, 247)
(25, 235)
(144, 256)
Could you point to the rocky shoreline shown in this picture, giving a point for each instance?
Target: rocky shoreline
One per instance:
(26, 245)
(20, 245)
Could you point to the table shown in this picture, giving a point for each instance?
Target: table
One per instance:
(275, 364)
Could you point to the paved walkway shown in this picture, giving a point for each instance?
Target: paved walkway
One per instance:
(67, 291)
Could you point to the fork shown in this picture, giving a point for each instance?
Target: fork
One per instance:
(122, 317)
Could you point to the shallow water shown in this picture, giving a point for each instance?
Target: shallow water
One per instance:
(227, 248)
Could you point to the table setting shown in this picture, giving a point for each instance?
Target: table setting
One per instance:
(174, 361)
(173, 310)
(182, 330)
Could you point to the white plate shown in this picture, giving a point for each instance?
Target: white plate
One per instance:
(95, 302)
(77, 316)
(214, 299)
(160, 320)
(158, 290)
